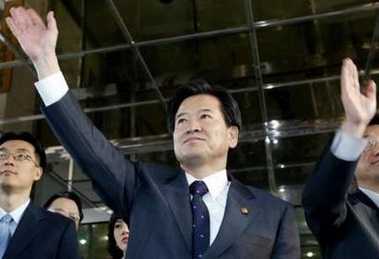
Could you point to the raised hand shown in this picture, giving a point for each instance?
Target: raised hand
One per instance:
(36, 39)
(359, 107)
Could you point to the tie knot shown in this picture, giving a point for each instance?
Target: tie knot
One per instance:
(7, 218)
(199, 188)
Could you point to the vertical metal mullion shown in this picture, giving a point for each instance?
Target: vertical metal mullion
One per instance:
(261, 95)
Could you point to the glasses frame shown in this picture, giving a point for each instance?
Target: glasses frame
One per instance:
(20, 157)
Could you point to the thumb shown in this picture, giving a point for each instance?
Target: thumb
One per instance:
(371, 90)
(51, 22)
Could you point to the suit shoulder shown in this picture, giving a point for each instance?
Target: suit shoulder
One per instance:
(156, 170)
(55, 218)
(267, 198)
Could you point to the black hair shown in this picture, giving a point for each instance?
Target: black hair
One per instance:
(68, 195)
(228, 105)
(374, 120)
(27, 137)
(113, 249)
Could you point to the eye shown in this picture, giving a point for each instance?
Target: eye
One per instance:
(22, 157)
(3, 156)
(371, 142)
(180, 120)
(205, 116)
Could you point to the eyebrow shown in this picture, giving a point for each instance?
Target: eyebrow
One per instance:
(17, 150)
(200, 110)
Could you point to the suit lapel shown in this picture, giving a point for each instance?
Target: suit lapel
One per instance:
(239, 213)
(177, 195)
(362, 197)
(26, 229)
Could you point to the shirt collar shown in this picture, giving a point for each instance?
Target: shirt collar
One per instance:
(215, 182)
(16, 213)
(374, 196)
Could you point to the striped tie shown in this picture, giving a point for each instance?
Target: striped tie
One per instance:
(5, 233)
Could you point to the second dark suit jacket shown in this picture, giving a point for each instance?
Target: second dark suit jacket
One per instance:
(155, 200)
(345, 224)
(41, 234)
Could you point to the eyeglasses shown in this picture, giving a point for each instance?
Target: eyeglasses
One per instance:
(72, 216)
(21, 156)
(371, 142)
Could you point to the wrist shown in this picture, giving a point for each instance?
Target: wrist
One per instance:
(46, 65)
(354, 129)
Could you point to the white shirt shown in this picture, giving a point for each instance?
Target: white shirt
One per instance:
(215, 200)
(16, 214)
(52, 88)
(349, 148)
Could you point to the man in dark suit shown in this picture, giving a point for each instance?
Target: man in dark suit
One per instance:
(347, 224)
(33, 232)
(155, 200)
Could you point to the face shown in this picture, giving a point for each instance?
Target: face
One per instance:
(201, 135)
(20, 170)
(121, 234)
(67, 208)
(367, 171)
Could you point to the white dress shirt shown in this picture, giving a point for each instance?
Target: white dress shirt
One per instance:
(349, 148)
(215, 200)
(16, 215)
(52, 88)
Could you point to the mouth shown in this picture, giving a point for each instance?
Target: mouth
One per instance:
(7, 172)
(125, 240)
(193, 140)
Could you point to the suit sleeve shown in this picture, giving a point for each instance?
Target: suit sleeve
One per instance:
(111, 174)
(325, 194)
(69, 246)
(287, 244)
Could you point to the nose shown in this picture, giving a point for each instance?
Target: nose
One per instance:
(193, 126)
(9, 160)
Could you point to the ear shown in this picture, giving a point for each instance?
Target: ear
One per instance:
(38, 173)
(233, 136)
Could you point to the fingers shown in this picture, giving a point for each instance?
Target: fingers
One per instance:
(34, 18)
(22, 19)
(349, 75)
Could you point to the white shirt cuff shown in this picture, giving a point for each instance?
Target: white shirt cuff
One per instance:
(347, 147)
(52, 88)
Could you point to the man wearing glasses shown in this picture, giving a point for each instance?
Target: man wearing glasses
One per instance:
(347, 224)
(27, 231)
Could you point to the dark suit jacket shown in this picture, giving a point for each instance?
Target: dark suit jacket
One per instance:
(155, 200)
(345, 224)
(41, 234)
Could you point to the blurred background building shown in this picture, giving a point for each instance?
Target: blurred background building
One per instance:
(123, 59)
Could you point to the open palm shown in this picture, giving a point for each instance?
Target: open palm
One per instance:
(359, 107)
(35, 38)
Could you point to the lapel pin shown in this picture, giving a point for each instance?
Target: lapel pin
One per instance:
(244, 210)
